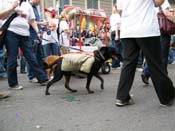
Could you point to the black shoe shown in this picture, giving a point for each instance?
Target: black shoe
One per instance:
(145, 79)
(124, 103)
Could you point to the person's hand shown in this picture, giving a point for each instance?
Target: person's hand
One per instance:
(44, 23)
(14, 4)
(39, 35)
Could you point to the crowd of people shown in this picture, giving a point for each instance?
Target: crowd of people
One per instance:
(134, 32)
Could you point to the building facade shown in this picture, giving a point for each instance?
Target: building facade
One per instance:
(106, 5)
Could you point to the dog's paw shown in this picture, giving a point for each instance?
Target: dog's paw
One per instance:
(74, 91)
(47, 93)
(90, 92)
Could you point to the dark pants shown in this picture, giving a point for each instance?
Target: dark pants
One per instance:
(51, 49)
(13, 42)
(37, 50)
(165, 47)
(152, 52)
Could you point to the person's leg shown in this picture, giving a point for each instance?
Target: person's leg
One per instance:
(40, 54)
(47, 50)
(130, 59)
(23, 65)
(170, 58)
(31, 59)
(145, 74)
(12, 42)
(115, 63)
(163, 85)
(22, 62)
(165, 46)
(54, 48)
(140, 60)
(2, 70)
(33, 47)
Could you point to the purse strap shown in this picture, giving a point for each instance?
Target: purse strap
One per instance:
(10, 19)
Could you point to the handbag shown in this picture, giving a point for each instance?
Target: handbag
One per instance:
(167, 27)
(4, 28)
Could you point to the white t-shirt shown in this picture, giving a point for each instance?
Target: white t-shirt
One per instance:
(52, 38)
(20, 25)
(138, 19)
(114, 20)
(64, 38)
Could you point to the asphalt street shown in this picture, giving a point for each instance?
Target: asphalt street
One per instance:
(30, 110)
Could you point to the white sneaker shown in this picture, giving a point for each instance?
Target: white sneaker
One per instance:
(139, 69)
(34, 80)
(17, 87)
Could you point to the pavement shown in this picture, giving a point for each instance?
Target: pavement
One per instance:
(30, 110)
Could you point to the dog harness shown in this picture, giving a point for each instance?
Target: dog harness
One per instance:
(77, 62)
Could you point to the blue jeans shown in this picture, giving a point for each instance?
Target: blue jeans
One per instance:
(22, 64)
(171, 55)
(51, 49)
(117, 45)
(2, 70)
(13, 42)
(165, 46)
(37, 50)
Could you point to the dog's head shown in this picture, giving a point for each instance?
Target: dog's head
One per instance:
(106, 53)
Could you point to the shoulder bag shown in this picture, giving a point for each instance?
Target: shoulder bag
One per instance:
(167, 27)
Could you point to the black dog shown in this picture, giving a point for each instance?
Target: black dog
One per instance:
(100, 56)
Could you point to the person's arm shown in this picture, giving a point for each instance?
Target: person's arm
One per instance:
(158, 2)
(169, 15)
(116, 31)
(42, 23)
(4, 14)
(33, 23)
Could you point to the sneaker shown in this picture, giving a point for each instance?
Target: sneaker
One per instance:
(139, 69)
(145, 79)
(168, 104)
(3, 77)
(17, 87)
(124, 103)
(4, 94)
(34, 80)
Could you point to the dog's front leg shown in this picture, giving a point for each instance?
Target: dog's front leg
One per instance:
(101, 79)
(67, 78)
(89, 78)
